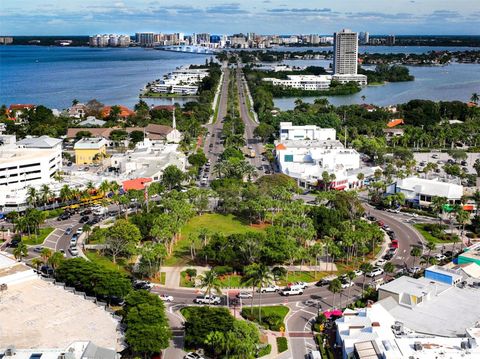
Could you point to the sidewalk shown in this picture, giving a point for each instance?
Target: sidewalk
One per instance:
(173, 275)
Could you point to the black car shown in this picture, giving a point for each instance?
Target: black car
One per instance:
(322, 283)
(388, 256)
(448, 254)
(86, 212)
(84, 219)
(14, 242)
(46, 271)
(64, 216)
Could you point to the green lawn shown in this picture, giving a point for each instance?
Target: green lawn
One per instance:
(428, 236)
(272, 316)
(34, 239)
(214, 223)
(106, 261)
(303, 277)
(232, 281)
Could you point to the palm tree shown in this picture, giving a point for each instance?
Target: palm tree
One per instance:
(65, 194)
(415, 253)
(210, 281)
(335, 286)
(475, 98)
(259, 276)
(462, 218)
(389, 268)
(365, 268)
(21, 251)
(45, 194)
(37, 262)
(430, 246)
(32, 196)
(45, 253)
(351, 277)
(55, 260)
(438, 204)
(104, 187)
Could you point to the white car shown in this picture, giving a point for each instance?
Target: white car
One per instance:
(358, 272)
(347, 283)
(207, 299)
(414, 270)
(244, 295)
(375, 271)
(73, 251)
(291, 291)
(381, 262)
(193, 355)
(302, 285)
(270, 289)
(166, 298)
(79, 231)
(440, 257)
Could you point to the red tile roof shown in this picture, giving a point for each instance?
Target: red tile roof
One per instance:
(135, 184)
(280, 146)
(396, 122)
(124, 111)
(19, 106)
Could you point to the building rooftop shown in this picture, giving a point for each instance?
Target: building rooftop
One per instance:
(39, 142)
(438, 311)
(90, 143)
(430, 187)
(52, 317)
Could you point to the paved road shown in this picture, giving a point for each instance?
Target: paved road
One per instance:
(213, 146)
(250, 125)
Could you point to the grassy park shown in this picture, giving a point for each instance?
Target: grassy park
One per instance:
(34, 239)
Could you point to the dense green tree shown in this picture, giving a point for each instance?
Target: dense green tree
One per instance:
(122, 237)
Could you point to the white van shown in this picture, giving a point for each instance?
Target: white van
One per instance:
(314, 354)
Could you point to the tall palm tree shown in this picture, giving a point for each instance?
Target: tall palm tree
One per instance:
(430, 246)
(37, 262)
(21, 251)
(389, 268)
(65, 194)
(351, 277)
(55, 260)
(45, 194)
(45, 253)
(32, 196)
(104, 188)
(415, 253)
(335, 286)
(365, 268)
(209, 280)
(258, 276)
(475, 98)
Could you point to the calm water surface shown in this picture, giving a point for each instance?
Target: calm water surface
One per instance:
(54, 76)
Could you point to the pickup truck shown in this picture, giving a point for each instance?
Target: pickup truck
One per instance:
(291, 291)
(269, 289)
(207, 299)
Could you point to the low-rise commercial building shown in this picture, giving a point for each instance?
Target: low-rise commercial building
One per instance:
(306, 152)
(346, 78)
(31, 162)
(421, 191)
(89, 150)
(414, 318)
(303, 82)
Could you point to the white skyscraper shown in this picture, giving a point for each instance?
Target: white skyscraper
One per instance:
(345, 52)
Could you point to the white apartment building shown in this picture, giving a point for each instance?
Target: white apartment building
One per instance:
(111, 40)
(306, 152)
(345, 52)
(30, 162)
(309, 132)
(303, 82)
(345, 78)
(182, 81)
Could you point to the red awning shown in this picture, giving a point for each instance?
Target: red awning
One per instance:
(340, 188)
(468, 207)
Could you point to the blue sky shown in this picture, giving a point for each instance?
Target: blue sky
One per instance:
(84, 17)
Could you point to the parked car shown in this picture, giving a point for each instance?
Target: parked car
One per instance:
(79, 230)
(114, 300)
(375, 272)
(414, 270)
(358, 272)
(392, 250)
(394, 243)
(287, 291)
(46, 271)
(84, 219)
(166, 298)
(63, 217)
(269, 289)
(346, 283)
(440, 257)
(68, 231)
(37, 249)
(73, 251)
(193, 355)
(207, 299)
(244, 295)
(380, 263)
(14, 242)
(388, 256)
(141, 284)
(322, 283)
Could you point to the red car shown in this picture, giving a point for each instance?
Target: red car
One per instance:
(380, 223)
(394, 243)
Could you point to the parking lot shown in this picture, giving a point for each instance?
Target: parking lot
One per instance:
(441, 158)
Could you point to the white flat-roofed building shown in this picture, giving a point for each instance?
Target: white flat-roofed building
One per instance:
(30, 162)
(303, 82)
(345, 78)
(306, 152)
(421, 191)
(309, 132)
(182, 81)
